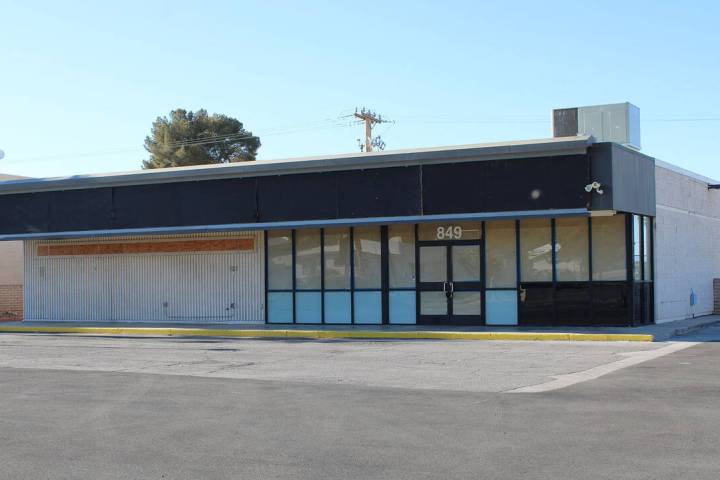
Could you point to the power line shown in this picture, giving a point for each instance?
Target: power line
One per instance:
(485, 122)
(210, 140)
(242, 136)
(702, 119)
(520, 120)
(341, 121)
(328, 123)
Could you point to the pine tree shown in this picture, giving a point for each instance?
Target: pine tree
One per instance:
(196, 138)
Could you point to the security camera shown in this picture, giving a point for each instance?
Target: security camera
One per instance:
(594, 186)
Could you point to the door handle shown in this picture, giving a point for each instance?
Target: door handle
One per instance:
(452, 288)
(445, 287)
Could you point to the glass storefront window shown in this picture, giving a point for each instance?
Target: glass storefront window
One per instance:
(535, 250)
(637, 255)
(279, 259)
(337, 258)
(334, 257)
(307, 259)
(571, 249)
(608, 248)
(449, 231)
(500, 255)
(280, 309)
(337, 307)
(367, 257)
(308, 307)
(402, 306)
(401, 249)
(368, 307)
(647, 253)
(501, 307)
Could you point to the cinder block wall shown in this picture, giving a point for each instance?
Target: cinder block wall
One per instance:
(11, 281)
(687, 254)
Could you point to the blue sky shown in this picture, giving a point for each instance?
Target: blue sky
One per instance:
(81, 82)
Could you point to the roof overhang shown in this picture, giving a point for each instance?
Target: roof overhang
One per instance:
(239, 227)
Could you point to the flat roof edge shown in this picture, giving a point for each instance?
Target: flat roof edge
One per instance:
(683, 171)
(503, 150)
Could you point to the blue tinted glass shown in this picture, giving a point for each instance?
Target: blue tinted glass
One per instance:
(402, 307)
(337, 307)
(368, 307)
(280, 307)
(501, 307)
(307, 307)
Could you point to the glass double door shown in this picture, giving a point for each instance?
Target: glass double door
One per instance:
(450, 284)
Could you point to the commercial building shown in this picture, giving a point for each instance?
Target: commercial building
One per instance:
(570, 230)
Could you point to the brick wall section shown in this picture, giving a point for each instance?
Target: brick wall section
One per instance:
(716, 296)
(11, 302)
(175, 246)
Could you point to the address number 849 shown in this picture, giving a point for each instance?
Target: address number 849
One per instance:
(449, 233)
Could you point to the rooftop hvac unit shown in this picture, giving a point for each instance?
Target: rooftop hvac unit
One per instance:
(617, 122)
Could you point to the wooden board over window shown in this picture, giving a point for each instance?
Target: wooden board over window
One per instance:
(126, 248)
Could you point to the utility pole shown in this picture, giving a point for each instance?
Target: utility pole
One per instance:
(371, 119)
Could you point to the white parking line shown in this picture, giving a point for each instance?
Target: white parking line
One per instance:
(633, 358)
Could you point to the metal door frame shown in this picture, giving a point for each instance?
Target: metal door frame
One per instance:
(450, 286)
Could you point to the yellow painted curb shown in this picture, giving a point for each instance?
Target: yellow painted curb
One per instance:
(369, 334)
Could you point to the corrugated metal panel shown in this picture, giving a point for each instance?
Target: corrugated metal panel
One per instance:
(193, 287)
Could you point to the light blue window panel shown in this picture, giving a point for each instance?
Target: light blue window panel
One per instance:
(402, 307)
(280, 307)
(501, 307)
(368, 307)
(308, 307)
(337, 307)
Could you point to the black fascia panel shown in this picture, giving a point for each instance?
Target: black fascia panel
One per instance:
(306, 196)
(90, 209)
(24, 213)
(213, 202)
(145, 206)
(627, 178)
(601, 171)
(379, 192)
(541, 183)
(217, 202)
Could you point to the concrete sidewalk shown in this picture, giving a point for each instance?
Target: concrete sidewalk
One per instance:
(659, 332)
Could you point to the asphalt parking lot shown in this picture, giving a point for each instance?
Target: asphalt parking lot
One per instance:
(445, 365)
(112, 408)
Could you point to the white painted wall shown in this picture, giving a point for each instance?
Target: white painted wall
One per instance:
(687, 243)
(11, 263)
